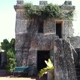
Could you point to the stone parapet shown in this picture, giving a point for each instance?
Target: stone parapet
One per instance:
(20, 1)
(67, 7)
(68, 3)
(42, 3)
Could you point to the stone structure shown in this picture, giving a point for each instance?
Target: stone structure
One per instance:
(32, 47)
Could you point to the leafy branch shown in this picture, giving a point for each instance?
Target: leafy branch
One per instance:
(46, 11)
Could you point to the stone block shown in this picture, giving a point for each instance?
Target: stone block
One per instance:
(63, 61)
(42, 3)
(68, 2)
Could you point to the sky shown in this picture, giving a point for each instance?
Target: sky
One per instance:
(8, 17)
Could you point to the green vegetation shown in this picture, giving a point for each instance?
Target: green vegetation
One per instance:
(11, 61)
(9, 51)
(49, 68)
(46, 11)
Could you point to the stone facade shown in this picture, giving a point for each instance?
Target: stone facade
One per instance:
(29, 41)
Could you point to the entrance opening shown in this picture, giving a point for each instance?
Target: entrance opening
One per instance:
(40, 28)
(41, 57)
(59, 30)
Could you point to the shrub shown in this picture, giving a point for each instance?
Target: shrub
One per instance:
(11, 61)
(46, 11)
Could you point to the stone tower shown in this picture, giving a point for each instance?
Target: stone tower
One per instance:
(33, 45)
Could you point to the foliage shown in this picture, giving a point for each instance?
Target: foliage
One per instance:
(70, 15)
(11, 61)
(5, 45)
(12, 44)
(49, 67)
(8, 47)
(0, 47)
(46, 11)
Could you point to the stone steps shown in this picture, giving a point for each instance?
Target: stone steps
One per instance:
(2, 73)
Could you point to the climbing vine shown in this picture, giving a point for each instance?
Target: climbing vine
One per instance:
(46, 11)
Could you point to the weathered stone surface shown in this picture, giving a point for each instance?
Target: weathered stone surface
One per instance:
(42, 3)
(63, 61)
(68, 5)
(50, 26)
(77, 64)
(21, 26)
(22, 57)
(20, 1)
(75, 41)
(22, 41)
(32, 62)
(68, 29)
(21, 21)
(43, 42)
(21, 14)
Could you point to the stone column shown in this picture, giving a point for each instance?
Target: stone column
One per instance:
(21, 35)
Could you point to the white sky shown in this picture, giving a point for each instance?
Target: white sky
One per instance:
(7, 16)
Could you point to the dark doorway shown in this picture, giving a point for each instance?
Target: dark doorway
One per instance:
(40, 27)
(59, 30)
(41, 57)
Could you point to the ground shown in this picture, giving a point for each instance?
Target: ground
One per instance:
(4, 76)
(22, 78)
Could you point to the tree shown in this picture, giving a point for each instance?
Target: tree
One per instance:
(9, 48)
(5, 45)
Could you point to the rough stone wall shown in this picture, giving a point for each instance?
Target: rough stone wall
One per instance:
(42, 42)
(22, 48)
(21, 42)
(68, 29)
(21, 21)
(32, 62)
(63, 61)
(38, 42)
(49, 26)
(71, 29)
(28, 41)
(27, 45)
(75, 41)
